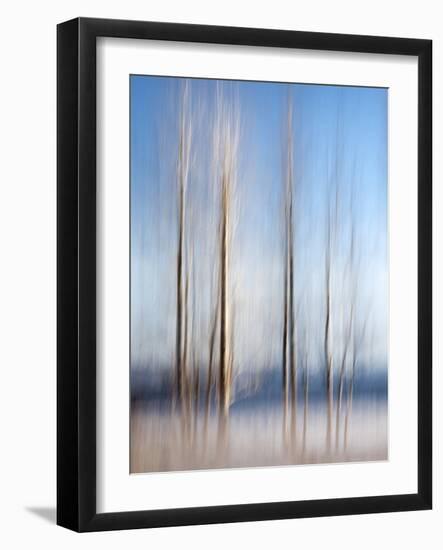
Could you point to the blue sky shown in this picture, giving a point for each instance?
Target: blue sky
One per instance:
(330, 122)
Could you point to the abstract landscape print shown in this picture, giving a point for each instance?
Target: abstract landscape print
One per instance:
(259, 274)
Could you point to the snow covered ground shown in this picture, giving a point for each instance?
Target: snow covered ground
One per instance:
(161, 442)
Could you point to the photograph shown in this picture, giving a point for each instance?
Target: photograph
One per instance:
(259, 274)
(221, 270)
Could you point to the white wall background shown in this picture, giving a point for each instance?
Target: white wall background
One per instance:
(28, 277)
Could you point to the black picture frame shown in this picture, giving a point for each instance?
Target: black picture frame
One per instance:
(76, 273)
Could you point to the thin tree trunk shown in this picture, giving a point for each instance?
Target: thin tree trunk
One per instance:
(186, 403)
(227, 143)
(224, 389)
(195, 373)
(196, 402)
(305, 402)
(339, 402)
(349, 407)
(355, 347)
(351, 333)
(327, 338)
(342, 379)
(210, 375)
(285, 385)
(179, 321)
(292, 354)
(182, 175)
(291, 304)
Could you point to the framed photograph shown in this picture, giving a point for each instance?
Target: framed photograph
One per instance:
(244, 274)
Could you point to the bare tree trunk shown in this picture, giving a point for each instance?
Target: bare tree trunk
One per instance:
(194, 386)
(186, 402)
(224, 387)
(231, 348)
(227, 145)
(179, 322)
(305, 401)
(357, 342)
(292, 354)
(342, 376)
(349, 407)
(196, 400)
(351, 334)
(327, 339)
(290, 276)
(339, 402)
(210, 375)
(182, 176)
(285, 385)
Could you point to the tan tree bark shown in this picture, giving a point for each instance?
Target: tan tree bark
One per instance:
(227, 140)
(224, 367)
(184, 147)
